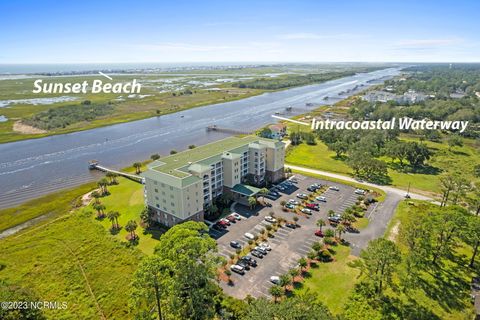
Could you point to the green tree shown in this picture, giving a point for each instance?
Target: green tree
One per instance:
(340, 229)
(190, 285)
(285, 281)
(276, 291)
(321, 223)
(252, 202)
(11, 292)
(113, 217)
(100, 209)
(147, 286)
(263, 192)
(103, 183)
(96, 195)
(130, 227)
(302, 262)
(137, 166)
(378, 262)
(192, 146)
(471, 235)
(155, 156)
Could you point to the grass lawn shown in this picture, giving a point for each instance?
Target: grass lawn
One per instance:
(458, 159)
(74, 260)
(332, 281)
(127, 199)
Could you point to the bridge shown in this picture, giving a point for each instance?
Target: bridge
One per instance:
(93, 164)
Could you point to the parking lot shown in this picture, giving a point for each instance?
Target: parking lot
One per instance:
(288, 245)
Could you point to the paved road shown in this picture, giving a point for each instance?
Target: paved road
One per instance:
(387, 189)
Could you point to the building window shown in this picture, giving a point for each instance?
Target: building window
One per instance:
(156, 190)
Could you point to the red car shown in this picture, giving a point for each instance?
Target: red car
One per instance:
(313, 206)
(231, 219)
(319, 233)
(223, 223)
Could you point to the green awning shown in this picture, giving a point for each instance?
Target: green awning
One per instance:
(246, 190)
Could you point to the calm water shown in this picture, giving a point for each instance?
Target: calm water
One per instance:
(32, 168)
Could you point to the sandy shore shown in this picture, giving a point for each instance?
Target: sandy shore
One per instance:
(26, 129)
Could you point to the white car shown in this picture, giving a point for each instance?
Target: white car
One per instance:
(236, 216)
(270, 219)
(275, 279)
(293, 201)
(334, 188)
(360, 192)
(320, 198)
(266, 246)
(238, 269)
(306, 210)
(302, 196)
(261, 249)
(249, 236)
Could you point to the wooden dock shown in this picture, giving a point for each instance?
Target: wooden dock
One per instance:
(94, 165)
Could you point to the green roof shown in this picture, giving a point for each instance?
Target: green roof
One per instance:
(177, 164)
(245, 189)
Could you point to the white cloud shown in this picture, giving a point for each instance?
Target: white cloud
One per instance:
(416, 43)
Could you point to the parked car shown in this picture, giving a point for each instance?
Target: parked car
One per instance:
(243, 264)
(265, 245)
(236, 216)
(250, 260)
(290, 206)
(311, 189)
(307, 211)
(312, 206)
(334, 188)
(225, 221)
(319, 233)
(261, 249)
(334, 219)
(256, 253)
(217, 227)
(321, 198)
(273, 193)
(293, 179)
(360, 192)
(275, 279)
(293, 201)
(238, 269)
(235, 244)
(290, 225)
(270, 219)
(249, 236)
(231, 219)
(281, 188)
(220, 226)
(302, 196)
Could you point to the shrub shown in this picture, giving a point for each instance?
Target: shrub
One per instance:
(329, 240)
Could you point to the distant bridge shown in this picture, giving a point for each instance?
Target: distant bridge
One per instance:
(94, 165)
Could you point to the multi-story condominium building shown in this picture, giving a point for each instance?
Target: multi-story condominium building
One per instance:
(179, 187)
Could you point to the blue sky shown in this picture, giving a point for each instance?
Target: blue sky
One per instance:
(250, 31)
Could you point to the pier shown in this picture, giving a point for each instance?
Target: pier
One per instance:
(94, 165)
(227, 130)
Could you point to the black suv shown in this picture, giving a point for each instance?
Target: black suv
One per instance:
(252, 262)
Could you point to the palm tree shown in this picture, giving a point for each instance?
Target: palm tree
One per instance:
(96, 196)
(100, 209)
(103, 183)
(331, 213)
(294, 273)
(276, 292)
(341, 229)
(131, 227)
(110, 176)
(145, 216)
(155, 156)
(303, 264)
(285, 281)
(137, 166)
(263, 192)
(252, 202)
(347, 217)
(113, 217)
(320, 223)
